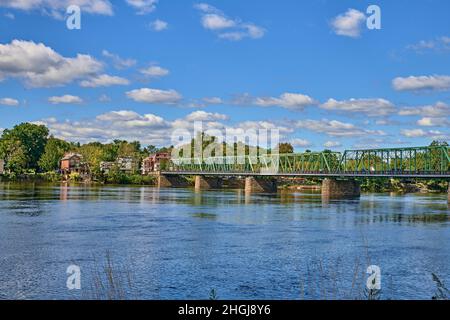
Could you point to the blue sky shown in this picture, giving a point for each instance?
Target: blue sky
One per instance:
(310, 68)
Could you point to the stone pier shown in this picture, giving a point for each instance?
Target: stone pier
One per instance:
(448, 193)
(204, 183)
(172, 181)
(332, 188)
(253, 184)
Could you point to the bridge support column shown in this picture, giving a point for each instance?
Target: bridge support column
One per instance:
(202, 182)
(253, 184)
(332, 188)
(448, 193)
(169, 181)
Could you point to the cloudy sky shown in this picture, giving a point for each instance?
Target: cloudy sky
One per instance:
(139, 69)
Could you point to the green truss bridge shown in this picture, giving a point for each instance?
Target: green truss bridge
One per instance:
(413, 162)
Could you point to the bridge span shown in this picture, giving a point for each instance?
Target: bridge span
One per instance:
(341, 171)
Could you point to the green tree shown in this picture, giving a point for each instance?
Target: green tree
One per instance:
(53, 152)
(25, 142)
(285, 148)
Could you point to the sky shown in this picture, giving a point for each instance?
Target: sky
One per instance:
(140, 69)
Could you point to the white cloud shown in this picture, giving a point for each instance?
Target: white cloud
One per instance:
(9, 15)
(155, 72)
(205, 116)
(9, 102)
(104, 98)
(421, 83)
(226, 28)
(413, 133)
(440, 109)
(433, 122)
(300, 143)
(335, 128)
(440, 44)
(40, 66)
(349, 24)
(212, 100)
(332, 144)
(159, 25)
(119, 62)
(57, 8)
(148, 95)
(143, 6)
(66, 99)
(293, 101)
(104, 80)
(369, 107)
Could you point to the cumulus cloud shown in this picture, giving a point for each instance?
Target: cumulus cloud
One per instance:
(155, 72)
(422, 83)
(9, 102)
(148, 95)
(332, 144)
(104, 80)
(440, 109)
(433, 122)
(335, 128)
(159, 25)
(143, 6)
(369, 107)
(227, 28)
(57, 8)
(40, 66)
(293, 101)
(349, 24)
(66, 99)
(119, 62)
(301, 143)
(205, 116)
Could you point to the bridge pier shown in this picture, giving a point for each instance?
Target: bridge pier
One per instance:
(253, 184)
(172, 181)
(332, 188)
(202, 183)
(448, 193)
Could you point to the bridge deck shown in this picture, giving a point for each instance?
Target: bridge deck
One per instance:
(445, 175)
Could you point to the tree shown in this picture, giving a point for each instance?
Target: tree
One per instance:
(53, 152)
(25, 142)
(285, 147)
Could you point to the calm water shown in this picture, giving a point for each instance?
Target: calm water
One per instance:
(178, 244)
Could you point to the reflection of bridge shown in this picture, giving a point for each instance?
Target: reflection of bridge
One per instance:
(415, 162)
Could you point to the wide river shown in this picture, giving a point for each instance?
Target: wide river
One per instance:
(181, 244)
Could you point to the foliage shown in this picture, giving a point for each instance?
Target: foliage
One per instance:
(285, 147)
(23, 146)
(53, 152)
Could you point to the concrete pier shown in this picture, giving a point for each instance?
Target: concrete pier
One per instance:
(172, 181)
(448, 193)
(205, 183)
(253, 184)
(332, 188)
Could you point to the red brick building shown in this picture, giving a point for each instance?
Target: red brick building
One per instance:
(73, 162)
(155, 162)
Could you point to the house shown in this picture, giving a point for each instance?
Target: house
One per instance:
(106, 166)
(2, 166)
(155, 162)
(124, 164)
(73, 162)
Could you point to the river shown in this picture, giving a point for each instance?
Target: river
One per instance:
(182, 244)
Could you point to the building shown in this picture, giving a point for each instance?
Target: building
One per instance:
(73, 162)
(124, 164)
(155, 162)
(2, 166)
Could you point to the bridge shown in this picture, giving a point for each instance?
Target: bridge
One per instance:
(340, 170)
